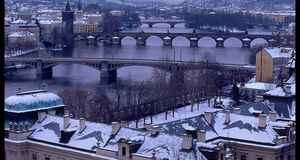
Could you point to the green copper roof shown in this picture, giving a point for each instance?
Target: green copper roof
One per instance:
(32, 101)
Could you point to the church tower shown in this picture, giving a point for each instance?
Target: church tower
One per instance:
(79, 12)
(68, 18)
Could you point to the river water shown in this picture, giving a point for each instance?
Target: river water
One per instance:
(74, 75)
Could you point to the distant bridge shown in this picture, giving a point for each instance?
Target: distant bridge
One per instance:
(193, 38)
(171, 22)
(108, 67)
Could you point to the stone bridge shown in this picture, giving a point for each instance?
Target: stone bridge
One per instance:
(171, 22)
(193, 38)
(108, 67)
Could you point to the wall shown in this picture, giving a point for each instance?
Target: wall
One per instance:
(264, 67)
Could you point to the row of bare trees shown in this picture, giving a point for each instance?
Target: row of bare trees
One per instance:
(128, 100)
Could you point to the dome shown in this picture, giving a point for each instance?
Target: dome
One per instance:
(32, 101)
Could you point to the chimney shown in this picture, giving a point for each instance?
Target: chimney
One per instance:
(41, 116)
(272, 106)
(82, 124)
(207, 116)
(272, 116)
(66, 121)
(154, 130)
(148, 126)
(227, 117)
(237, 110)
(52, 112)
(259, 98)
(115, 126)
(187, 142)
(201, 136)
(288, 89)
(124, 124)
(262, 118)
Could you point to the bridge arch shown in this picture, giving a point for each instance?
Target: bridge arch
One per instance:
(259, 41)
(128, 40)
(161, 24)
(79, 37)
(180, 41)
(180, 25)
(207, 41)
(152, 40)
(233, 42)
(94, 66)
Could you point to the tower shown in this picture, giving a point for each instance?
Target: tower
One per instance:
(79, 12)
(68, 17)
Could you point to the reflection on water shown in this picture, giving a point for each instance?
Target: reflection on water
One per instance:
(71, 75)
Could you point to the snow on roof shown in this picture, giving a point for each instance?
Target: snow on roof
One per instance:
(279, 91)
(246, 39)
(220, 39)
(167, 37)
(19, 21)
(243, 128)
(179, 114)
(166, 146)
(49, 131)
(79, 22)
(259, 86)
(277, 53)
(193, 38)
(252, 110)
(30, 101)
(291, 80)
(90, 37)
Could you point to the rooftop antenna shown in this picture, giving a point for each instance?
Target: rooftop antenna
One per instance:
(19, 90)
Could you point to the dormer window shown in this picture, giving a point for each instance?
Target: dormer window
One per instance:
(123, 151)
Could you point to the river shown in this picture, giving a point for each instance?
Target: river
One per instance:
(73, 75)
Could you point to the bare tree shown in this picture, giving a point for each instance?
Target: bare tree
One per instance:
(75, 100)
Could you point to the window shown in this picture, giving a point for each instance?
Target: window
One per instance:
(34, 157)
(243, 157)
(123, 151)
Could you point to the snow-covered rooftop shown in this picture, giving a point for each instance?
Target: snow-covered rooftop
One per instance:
(277, 53)
(32, 101)
(259, 86)
(49, 131)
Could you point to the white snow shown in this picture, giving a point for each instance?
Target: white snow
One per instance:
(251, 133)
(252, 110)
(276, 53)
(277, 92)
(30, 99)
(77, 140)
(260, 86)
(180, 113)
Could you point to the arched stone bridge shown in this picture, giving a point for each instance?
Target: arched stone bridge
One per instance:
(108, 67)
(171, 22)
(167, 38)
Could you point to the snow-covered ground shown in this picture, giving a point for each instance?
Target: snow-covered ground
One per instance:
(181, 113)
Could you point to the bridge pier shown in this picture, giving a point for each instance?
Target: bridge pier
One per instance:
(116, 40)
(194, 42)
(246, 43)
(140, 41)
(167, 41)
(107, 75)
(220, 42)
(45, 73)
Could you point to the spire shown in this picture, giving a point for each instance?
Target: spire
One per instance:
(79, 5)
(68, 7)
